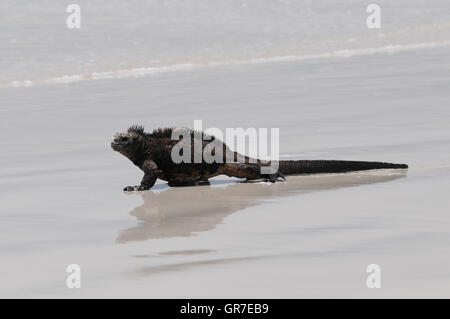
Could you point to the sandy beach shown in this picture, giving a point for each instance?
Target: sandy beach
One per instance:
(382, 98)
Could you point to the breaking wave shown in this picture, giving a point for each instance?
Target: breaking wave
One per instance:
(150, 70)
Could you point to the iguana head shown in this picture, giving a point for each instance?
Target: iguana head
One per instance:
(129, 143)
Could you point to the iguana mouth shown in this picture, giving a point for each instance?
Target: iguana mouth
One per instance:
(116, 146)
(119, 142)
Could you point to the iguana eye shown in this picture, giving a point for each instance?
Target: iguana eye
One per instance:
(124, 139)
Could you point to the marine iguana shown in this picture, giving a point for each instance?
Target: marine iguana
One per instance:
(151, 152)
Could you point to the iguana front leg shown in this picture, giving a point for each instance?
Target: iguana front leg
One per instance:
(151, 173)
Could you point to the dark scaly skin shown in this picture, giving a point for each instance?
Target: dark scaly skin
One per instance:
(151, 152)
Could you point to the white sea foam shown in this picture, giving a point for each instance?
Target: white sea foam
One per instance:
(211, 62)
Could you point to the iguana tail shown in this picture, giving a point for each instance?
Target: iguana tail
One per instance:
(323, 166)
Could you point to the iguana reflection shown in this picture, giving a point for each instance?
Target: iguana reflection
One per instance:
(178, 212)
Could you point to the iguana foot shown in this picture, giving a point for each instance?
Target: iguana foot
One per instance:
(136, 188)
(200, 183)
(274, 177)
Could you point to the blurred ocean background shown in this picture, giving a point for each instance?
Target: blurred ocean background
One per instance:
(126, 38)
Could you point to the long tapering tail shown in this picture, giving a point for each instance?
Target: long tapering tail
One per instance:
(324, 166)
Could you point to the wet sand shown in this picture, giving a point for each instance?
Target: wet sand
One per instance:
(313, 236)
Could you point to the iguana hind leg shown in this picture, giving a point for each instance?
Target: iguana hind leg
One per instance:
(274, 177)
(250, 172)
(242, 170)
